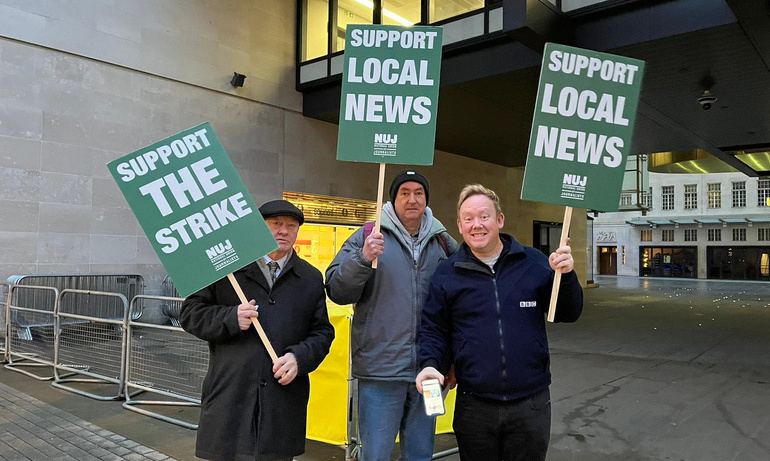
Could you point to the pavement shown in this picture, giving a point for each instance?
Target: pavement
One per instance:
(655, 370)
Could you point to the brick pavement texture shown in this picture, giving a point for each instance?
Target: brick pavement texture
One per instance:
(33, 430)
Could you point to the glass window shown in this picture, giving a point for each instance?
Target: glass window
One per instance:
(763, 192)
(691, 235)
(667, 197)
(315, 33)
(690, 196)
(350, 12)
(715, 235)
(739, 194)
(443, 9)
(668, 235)
(647, 235)
(715, 195)
(739, 235)
(401, 12)
(647, 199)
(626, 199)
(763, 234)
(570, 5)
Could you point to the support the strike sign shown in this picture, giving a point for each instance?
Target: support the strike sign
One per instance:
(581, 132)
(196, 212)
(390, 83)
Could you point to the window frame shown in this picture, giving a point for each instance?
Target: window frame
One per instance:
(666, 196)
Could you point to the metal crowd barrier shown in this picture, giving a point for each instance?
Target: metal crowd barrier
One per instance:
(128, 285)
(171, 309)
(3, 316)
(31, 328)
(91, 345)
(165, 361)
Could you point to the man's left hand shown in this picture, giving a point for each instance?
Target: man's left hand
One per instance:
(561, 259)
(285, 368)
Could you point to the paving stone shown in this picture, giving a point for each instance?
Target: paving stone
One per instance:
(142, 449)
(32, 430)
(156, 456)
(129, 443)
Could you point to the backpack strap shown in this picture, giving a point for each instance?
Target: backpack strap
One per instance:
(444, 244)
(368, 228)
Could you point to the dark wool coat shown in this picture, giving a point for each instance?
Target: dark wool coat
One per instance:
(245, 413)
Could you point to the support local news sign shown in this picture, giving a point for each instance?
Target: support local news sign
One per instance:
(194, 208)
(390, 84)
(582, 128)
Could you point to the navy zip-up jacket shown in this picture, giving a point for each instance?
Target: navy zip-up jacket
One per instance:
(492, 325)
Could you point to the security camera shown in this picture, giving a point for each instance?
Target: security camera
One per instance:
(707, 100)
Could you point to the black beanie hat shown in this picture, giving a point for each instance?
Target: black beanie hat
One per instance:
(281, 208)
(407, 176)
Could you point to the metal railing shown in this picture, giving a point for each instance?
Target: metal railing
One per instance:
(3, 324)
(31, 328)
(171, 309)
(128, 285)
(165, 361)
(91, 345)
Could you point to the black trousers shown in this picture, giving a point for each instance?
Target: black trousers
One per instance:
(492, 430)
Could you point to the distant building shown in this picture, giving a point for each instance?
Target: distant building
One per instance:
(713, 225)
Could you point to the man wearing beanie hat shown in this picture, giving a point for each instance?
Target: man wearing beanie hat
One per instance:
(388, 303)
(251, 408)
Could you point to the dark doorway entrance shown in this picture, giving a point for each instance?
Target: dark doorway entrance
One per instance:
(608, 260)
(546, 236)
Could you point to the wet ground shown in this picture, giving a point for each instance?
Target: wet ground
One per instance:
(656, 369)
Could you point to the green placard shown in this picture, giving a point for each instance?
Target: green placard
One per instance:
(194, 208)
(389, 99)
(582, 128)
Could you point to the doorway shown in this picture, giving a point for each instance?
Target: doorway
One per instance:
(608, 260)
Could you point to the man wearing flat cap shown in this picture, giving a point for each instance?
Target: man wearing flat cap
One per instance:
(252, 409)
(388, 302)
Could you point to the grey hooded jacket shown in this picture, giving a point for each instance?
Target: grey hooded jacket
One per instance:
(388, 300)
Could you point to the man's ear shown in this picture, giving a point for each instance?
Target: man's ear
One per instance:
(500, 221)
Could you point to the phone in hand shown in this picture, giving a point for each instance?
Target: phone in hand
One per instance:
(433, 398)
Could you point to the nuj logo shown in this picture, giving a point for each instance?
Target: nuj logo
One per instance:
(575, 180)
(386, 138)
(219, 249)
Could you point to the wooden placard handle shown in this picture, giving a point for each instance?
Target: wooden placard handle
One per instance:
(557, 276)
(378, 219)
(254, 320)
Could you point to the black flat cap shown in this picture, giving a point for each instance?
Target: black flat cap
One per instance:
(281, 208)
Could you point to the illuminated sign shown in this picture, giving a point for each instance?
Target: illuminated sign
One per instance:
(333, 210)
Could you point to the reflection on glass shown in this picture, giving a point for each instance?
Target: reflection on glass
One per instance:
(350, 12)
(443, 9)
(569, 5)
(318, 244)
(315, 33)
(400, 12)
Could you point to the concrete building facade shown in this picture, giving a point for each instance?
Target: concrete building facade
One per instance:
(83, 83)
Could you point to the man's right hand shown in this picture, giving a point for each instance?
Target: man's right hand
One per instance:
(374, 245)
(245, 313)
(428, 373)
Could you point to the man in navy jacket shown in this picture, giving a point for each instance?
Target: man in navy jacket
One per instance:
(485, 314)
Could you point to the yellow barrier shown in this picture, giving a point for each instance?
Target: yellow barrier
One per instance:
(328, 406)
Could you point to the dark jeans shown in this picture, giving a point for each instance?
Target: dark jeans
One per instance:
(492, 430)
